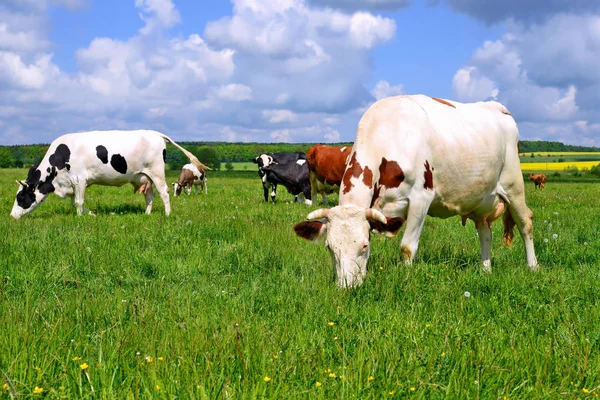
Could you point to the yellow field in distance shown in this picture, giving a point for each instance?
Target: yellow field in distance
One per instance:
(558, 153)
(557, 166)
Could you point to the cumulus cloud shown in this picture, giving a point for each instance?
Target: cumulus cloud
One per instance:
(541, 72)
(353, 5)
(383, 89)
(493, 12)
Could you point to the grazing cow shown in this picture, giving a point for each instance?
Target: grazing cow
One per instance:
(294, 176)
(78, 160)
(326, 165)
(416, 156)
(539, 180)
(264, 160)
(190, 176)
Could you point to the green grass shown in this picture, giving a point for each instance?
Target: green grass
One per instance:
(209, 302)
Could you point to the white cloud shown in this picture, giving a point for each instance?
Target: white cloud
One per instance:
(157, 14)
(367, 30)
(234, 92)
(279, 116)
(282, 135)
(383, 89)
(331, 135)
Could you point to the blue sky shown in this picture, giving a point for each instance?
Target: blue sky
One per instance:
(291, 70)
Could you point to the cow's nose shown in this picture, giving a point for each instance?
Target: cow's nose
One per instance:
(15, 216)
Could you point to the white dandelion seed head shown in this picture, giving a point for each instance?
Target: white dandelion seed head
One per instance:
(585, 243)
(554, 236)
(555, 213)
(545, 240)
(467, 294)
(550, 225)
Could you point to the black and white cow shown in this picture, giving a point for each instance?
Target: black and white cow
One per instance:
(266, 159)
(190, 176)
(113, 158)
(294, 176)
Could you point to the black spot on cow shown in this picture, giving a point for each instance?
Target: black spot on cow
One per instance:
(60, 158)
(165, 155)
(48, 169)
(102, 154)
(118, 163)
(26, 196)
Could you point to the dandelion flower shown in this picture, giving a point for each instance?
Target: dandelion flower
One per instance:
(275, 357)
(76, 358)
(5, 386)
(584, 390)
(161, 359)
(267, 379)
(328, 370)
(149, 359)
(330, 323)
(554, 236)
(443, 353)
(157, 387)
(38, 390)
(412, 389)
(392, 393)
(467, 294)
(61, 388)
(371, 378)
(318, 384)
(332, 375)
(585, 243)
(427, 325)
(83, 366)
(545, 240)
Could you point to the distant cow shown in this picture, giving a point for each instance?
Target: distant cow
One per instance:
(264, 160)
(294, 176)
(416, 156)
(113, 158)
(539, 180)
(190, 176)
(326, 165)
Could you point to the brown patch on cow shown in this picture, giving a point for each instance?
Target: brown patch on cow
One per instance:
(518, 147)
(390, 228)
(308, 230)
(509, 225)
(506, 112)
(368, 177)
(375, 195)
(443, 102)
(428, 175)
(353, 169)
(390, 174)
(186, 177)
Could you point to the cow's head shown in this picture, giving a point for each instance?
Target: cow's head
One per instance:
(347, 230)
(177, 189)
(33, 191)
(264, 160)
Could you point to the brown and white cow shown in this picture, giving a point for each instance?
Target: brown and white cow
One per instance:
(539, 180)
(416, 156)
(190, 176)
(327, 165)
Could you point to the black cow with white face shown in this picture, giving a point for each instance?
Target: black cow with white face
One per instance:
(267, 159)
(294, 176)
(77, 160)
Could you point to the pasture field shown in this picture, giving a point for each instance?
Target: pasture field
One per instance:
(222, 301)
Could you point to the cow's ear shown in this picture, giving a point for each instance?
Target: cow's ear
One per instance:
(311, 230)
(255, 160)
(389, 229)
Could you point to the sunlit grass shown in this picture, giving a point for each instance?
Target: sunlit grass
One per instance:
(221, 300)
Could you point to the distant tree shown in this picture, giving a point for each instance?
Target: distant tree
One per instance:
(595, 170)
(532, 155)
(228, 166)
(6, 160)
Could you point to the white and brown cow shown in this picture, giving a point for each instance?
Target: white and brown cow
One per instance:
(113, 158)
(190, 176)
(416, 156)
(327, 165)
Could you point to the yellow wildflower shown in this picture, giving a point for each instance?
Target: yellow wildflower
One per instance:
(275, 357)
(584, 390)
(84, 366)
(428, 325)
(371, 378)
(412, 389)
(149, 359)
(38, 390)
(332, 375)
(318, 384)
(5, 386)
(267, 379)
(157, 387)
(328, 370)
(330, 323)
(392, 393)
(76, 358)
(38, 369)
(61, 388)
(443, 353)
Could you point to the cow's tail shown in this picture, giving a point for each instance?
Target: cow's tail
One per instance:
(189, 155)
(509, 225)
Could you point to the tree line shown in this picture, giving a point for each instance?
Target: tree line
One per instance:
(215, 153)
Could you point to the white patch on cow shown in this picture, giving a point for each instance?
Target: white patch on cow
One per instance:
(266, 160)
(343, 149)
(300, 162)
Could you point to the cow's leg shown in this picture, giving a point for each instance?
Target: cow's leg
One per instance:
(188, 189)
(415, 219)
(158, 179)
(78, 198)
(308, 195)
(273, 192)
(204, 184)
(523, 218)
(485, 242)
(196, 188)
(325, 202)
(149, 196)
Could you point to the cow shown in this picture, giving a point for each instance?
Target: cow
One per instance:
(77, 160)
(294, 176)
(326, 165)
(190, 176)
(539, 180)
(416, 156)
(266, 159)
